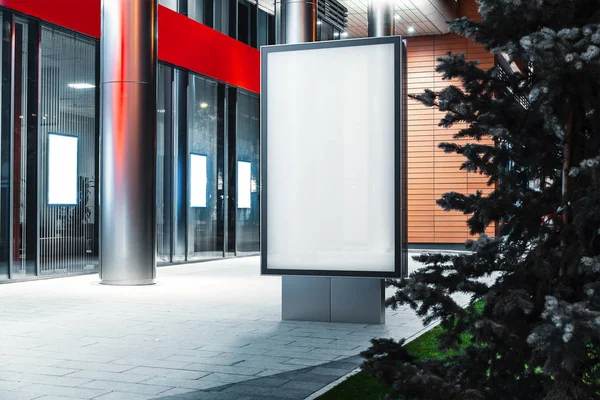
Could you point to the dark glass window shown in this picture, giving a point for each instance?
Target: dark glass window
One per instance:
(253, 24)
(243, 22)
(232, 18)
(263, 28)
(271, 24)
(247, 23)
(207, 11)
(195, 10)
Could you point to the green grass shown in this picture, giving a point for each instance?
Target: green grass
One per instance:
(363, 386)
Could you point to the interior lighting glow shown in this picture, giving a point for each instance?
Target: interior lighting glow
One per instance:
(81, 86)
(410, 29)
(203, 105)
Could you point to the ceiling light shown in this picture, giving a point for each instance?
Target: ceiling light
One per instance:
(81, 86)
(344, 34)
(203, 105)
(410, 29)
(397, 16)
(318, 22)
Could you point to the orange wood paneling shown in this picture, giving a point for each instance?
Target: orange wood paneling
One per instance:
(431, 172)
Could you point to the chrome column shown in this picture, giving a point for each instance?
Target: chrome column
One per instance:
(295, 21)
(278, 38)
(380, 18)
(128, 142)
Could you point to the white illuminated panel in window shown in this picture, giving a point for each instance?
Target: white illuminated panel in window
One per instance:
(244, 187)
(62, 169)
(330, 158)
(198, 180)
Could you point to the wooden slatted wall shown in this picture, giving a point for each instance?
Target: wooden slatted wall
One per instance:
(431, 172)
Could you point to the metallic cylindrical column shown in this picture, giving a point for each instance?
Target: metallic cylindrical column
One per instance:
(128, 142)
(380, 18)
(278, 24)
(296, 21)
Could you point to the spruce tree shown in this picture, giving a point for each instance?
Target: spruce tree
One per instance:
(535, 133)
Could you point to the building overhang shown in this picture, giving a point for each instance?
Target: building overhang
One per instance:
(412, 17)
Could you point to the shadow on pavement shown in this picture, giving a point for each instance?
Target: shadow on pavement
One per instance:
(293, 385)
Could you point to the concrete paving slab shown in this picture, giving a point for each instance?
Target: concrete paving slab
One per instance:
(206, 328)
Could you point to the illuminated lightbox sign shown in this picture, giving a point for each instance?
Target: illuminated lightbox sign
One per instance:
(244, 184)
(62, 169)
(198, 180)
(332, 163)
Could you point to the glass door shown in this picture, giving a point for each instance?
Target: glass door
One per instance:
(205, 172)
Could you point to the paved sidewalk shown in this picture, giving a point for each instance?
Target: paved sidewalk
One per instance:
(209, 330)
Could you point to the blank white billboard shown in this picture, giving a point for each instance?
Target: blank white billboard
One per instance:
(331, 138)
(62, 169)
(198, 180)
(244, 187)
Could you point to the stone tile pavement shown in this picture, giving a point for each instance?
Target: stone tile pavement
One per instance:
(211, 330)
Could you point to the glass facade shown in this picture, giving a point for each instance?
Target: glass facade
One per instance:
(49, 122)
(243, 20)
(252, 22)
(207, 131)
(202, 11)
(68, 239)
(255, 26)
(48, 90)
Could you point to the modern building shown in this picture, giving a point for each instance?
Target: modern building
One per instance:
(207, 116)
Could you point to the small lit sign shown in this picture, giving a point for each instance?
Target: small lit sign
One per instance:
(62, 169)
(244, 184)
(198, 180)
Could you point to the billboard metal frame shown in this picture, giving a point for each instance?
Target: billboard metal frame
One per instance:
(400, 145)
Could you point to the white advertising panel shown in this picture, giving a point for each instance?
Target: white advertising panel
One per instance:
(244, 187)
(62, 169)
(331, 137)
(198, 180)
